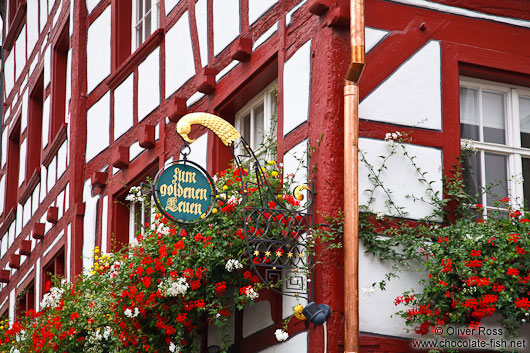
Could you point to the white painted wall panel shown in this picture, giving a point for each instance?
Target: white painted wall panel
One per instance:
(68, 85)
(180, 66)
(12, 305)
(4, 146)
(170, 5)
(296, 88)
(257, 8)
(149, 84)
(35, 199)
(289, 15)
(377, 307)
(372, 37)
(265, 36)
(43, 13)
(98, 122)
(61, 160)
(123, 107)
(226, 16)
(201, 18)
(400, 177)
(22, 164)
(26, 214)
(32, 22)
(37, 284)
(45, 122)
(24, 115)
(104, 223)
(256, 317)
(199, 151)
(3, 250)
(89, 224)
(43, 190)
(411, 96)
(18, 220)
(60, 204)
(47, 65)
(9, 72)
(20, 52)
(135, 150)
(52, 173)
(2, 193)
(98, 50)
(296, 344)
(91, 5)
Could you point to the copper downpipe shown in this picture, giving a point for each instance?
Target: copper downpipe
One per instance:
(351, 176)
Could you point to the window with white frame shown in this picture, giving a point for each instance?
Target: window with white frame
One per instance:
(495, 121)
(146, 20)
(256, 121)
(141, 212)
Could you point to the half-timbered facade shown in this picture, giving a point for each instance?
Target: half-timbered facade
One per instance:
(93, 89)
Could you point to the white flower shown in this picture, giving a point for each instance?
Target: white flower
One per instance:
(380, 215)
(281, 335)
(233, 264)
(174, 288)
(468, 145)
(523, 320)
(107, 332)
(51, 299)
(173, 347)
(251, 293)
(130, 314)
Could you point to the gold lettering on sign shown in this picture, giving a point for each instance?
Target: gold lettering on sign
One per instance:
(179, 198)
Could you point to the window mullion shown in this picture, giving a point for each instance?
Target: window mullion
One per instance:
(480, 118)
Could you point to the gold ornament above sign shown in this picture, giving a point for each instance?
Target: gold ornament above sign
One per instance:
(223, 129)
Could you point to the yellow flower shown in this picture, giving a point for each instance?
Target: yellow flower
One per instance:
(263, 169)
(225, 187)
(214, 211)
(274, 173)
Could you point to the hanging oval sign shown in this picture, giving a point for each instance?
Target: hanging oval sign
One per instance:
(184, 192)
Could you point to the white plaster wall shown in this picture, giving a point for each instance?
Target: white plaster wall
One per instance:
(399, 177)
(2, 192)
(12, 304)
(226, 16)
(98, 120)
(22, 164)
(170, 5)
(296, 344)
(68, 85)
(9, 74)
(195, 97)
(98, 50)
(26, 214)
(18, 221)
(43, 175)
(149, 84)
(91, 4)
(4, 146)
(411, 96)
(376, 307)
(89, 224)
(201, 18)
(104, 223)
(257, 8)
(256, 317)
(123, 107)
(3, 249)
(373, 36)
(179, 55)
(20, 52)
(24, 116)
(68, 252)
(61, 159)
(60, 204)
(47, 65)
(289, 15)
(35, 199)
(199, 151)
(52, 173)
(37, 284)
(32, 22)
(43, 13)
(45, 121)
(135, 150)
(265, 36)
(296, 88)
(295, 163)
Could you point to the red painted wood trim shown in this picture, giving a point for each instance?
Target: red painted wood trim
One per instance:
(15, 27)
(128, 66)
(53, 147)
(504, 8)
(27, 188)
(424, 137)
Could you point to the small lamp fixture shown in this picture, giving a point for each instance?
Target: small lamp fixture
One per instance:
(317, 314)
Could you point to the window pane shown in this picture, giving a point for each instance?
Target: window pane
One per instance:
(469, 121)
(245, 128)
(493, 117)
(526, 181)
(524, 120)
(471, 174)
(140, 12)
(495, 177)
(259, 123)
